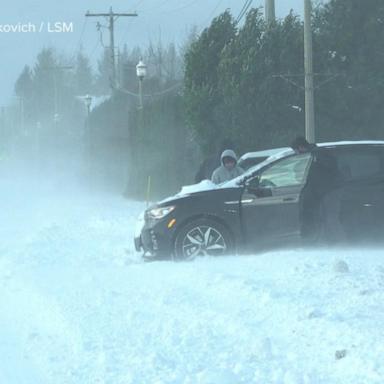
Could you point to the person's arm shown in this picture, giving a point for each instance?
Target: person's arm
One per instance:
(215, 177)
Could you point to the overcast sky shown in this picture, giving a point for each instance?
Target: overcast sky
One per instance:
(170, 19)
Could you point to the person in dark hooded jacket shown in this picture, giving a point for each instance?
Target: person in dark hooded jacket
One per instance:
(301, 145)
(228, 169)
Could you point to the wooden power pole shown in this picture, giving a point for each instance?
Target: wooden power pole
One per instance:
(308, 66)
(112, 17)
(270, 11)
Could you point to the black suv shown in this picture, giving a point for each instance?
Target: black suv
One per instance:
(333, 194)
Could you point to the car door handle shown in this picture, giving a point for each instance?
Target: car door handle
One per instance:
(287, 199)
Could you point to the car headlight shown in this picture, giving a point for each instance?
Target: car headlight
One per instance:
(159, 213)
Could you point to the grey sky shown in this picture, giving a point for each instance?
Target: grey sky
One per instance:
(170, 19)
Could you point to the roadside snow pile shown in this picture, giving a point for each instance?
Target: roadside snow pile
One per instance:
(79, 306)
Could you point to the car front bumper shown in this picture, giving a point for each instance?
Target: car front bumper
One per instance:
(154, 239)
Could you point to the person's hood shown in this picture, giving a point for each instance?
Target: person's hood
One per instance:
(228, 153)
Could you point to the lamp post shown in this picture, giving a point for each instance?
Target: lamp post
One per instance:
(88, 103)
(141, 72)
(135, 132)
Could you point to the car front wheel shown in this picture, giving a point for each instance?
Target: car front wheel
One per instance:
(202, 237)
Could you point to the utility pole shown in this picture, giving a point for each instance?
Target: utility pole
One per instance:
(270, 11)
(112, 17)
(308, 66)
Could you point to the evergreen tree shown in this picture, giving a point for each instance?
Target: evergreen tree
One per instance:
(204, 103)
(254, 72)
(45, 83)
(350, 45)
(83, 75)
(24, 90)
(103, 77)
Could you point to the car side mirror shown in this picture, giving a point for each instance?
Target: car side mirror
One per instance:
(253, 183)
(254, 188)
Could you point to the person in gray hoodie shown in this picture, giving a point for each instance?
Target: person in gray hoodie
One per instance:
(228, 169)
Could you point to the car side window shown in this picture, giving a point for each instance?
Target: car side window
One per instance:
(288, 172)
(359, 164)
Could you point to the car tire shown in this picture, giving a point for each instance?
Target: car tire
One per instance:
(202, 237)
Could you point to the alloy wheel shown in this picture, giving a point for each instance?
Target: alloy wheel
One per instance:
(203, 241)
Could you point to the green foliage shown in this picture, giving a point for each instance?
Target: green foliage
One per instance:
(234, 92)
(203, 100)
(84, 83)
(248, 84)
(45, 82)
(103, 78)
(350, 44)
(24, 84)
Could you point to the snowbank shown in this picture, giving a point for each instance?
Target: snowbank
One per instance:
(79, 306)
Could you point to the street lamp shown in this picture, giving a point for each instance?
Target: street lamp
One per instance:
(88, 103)
(141, 72)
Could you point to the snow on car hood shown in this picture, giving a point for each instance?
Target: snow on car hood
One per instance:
(186, 190)
(204, 185)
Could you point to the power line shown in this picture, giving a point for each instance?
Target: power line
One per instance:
(112, 17)
(125, 31)
(184, 6)
(177, 9)
(244, 10)
(94, 49)
(211, 14)
(215, 9)
(155, 8)
(101, 40)
(138, 3)
(78, 45)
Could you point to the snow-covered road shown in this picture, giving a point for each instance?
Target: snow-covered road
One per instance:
(77, 305)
